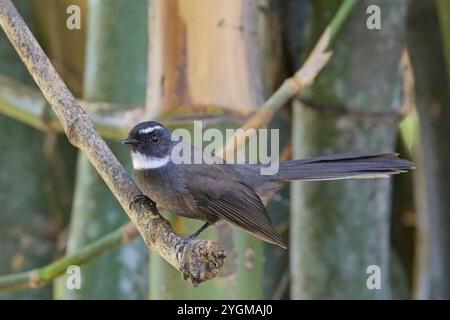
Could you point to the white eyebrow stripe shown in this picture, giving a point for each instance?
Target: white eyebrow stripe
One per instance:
(150, 129)
(141, 161)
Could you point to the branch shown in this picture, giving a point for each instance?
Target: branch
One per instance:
(200, 260)
(291, 87)
(38, 277)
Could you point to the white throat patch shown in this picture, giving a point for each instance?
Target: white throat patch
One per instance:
(141, 161)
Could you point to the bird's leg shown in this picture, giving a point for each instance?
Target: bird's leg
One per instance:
(183, 242)
(200, 230)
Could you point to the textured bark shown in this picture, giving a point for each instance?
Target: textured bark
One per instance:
(201, 260)
(433, 176)
(339, 228)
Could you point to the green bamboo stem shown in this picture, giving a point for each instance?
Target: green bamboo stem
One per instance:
(432, 256)
(339, 228)
(115, 70)
(27, 209)
(38, 277)
(443, 10)
(241, 277)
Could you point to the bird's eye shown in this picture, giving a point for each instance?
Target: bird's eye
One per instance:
(154, 138)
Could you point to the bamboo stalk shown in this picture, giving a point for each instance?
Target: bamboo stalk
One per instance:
(187, 39)
(432, 258)
(443, 10)
(110, 51)
(23, 171)
(340, 228)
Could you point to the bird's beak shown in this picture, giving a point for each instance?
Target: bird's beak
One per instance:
(129, 141)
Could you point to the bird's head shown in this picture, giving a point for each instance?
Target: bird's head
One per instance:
(150, 145)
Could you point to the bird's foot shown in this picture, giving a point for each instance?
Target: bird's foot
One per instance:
(145, 201)
(181, 244)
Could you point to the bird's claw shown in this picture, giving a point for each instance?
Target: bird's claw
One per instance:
(180, 245)
(142, 198)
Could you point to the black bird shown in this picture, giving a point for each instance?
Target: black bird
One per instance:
(235, 192)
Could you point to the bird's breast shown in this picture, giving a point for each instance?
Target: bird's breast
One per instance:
(168, 190)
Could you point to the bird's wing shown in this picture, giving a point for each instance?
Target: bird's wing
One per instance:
(232, 201)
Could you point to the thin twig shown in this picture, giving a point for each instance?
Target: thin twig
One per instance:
(200, 260)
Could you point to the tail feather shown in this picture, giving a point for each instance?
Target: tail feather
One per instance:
(344, 166)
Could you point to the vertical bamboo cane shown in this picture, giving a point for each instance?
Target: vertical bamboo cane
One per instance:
(340, 228)
(204, 60)
(115, 72)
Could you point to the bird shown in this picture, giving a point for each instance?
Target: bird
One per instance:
(236, 193)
